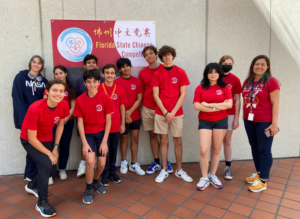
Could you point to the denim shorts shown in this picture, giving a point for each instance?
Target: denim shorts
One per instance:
(222, 124)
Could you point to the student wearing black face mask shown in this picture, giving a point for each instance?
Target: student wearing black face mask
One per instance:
(234, 112)
(28, 87)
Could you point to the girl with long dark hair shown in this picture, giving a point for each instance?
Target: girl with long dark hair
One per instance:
(212, 98)
(261, 94)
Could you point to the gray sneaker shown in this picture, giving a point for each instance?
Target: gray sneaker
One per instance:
(99, 188)
(228, 174)
(88, 196)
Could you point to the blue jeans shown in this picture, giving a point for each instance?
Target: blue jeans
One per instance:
(260, 146)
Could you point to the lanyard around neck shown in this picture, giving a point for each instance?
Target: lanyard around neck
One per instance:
(252, 91)
(112, 94)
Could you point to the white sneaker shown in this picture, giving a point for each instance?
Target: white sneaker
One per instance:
(183, 175)
(50, 182)
(63, 175)
(124, 168)
(203, 183)
(27, 179)
(81, 170)
(137, 169)
(161, 176)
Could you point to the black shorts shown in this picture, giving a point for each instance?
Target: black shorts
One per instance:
(94, 141)
(222, 124)
(135, 125)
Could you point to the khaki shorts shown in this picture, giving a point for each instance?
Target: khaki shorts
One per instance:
(148, 118)
(161, 127)
(230, 122)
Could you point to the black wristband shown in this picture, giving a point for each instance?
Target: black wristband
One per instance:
(166, 114)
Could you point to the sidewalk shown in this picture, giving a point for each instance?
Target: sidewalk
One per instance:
(141, 197)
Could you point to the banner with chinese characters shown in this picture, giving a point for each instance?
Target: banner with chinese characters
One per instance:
(72, 40)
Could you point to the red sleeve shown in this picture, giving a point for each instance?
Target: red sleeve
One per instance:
(109, 108)
(228, 94)
(155, 79)
(31, 120)
(184, 80)
(45, 92)
(77, 110)
(273, 85)
(238, 87)
(66, 109)
(140, 87)
(197, 95)
(123, 98)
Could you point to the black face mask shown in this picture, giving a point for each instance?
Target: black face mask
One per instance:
(226, 68)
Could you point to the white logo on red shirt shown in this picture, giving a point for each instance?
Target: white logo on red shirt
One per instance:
(56, 119)
(230, 86)
(99, 108)
(66, 93)
(219, 92)
(174, 80)
(115, 96)
(133, 87)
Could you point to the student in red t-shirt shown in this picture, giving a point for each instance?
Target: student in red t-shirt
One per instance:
(234, 82)
(212, 98)
(169, 91)
(37, 140)
(261, 94)
(93, 110)
(118, 96)
(149, 105)
(60, 72)
(134, 93)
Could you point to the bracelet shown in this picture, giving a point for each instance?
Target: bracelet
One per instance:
(166, 114)
(56, 144)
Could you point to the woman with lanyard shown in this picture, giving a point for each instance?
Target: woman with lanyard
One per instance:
(212, 98)
(28, 87)
(261, 94)
(37, 139)
(60, 72)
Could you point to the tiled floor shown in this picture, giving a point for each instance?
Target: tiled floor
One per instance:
(141, 197)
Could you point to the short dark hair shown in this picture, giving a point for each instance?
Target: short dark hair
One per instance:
(208, 69)
(89, 57)
(122, 61)
(166, 50)
(107, 66)
(91, 74)
(151, 47)
(54, 81)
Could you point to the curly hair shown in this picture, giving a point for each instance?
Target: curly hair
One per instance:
(151, 47)
(165, 50)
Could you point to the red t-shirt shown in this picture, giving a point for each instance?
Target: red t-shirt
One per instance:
(169, 83)
(93, 110)
(146, 76)
(261, 106)
(66, 98)
(39, 117)
(236, 88)
(214, 94)
(118, 99)
(132, 87)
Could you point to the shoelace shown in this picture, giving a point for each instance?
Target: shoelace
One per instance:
(253, 175)
(45, 204)
(202, 181)
(216, 180)
(137, 166)
(255, 183)
(227, 169)
(89, 192)
(183, 174)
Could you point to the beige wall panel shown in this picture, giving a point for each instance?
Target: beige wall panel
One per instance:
(20, 38)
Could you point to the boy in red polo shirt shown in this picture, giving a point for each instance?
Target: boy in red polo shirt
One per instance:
(93, 110)
(118, 96)
(149, 105)
(134, 93)
(169, 91)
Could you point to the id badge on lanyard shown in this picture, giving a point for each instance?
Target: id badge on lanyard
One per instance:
(251, 115)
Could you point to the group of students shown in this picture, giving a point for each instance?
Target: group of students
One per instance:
(109, 108)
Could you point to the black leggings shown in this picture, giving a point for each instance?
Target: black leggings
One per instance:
(44, 165)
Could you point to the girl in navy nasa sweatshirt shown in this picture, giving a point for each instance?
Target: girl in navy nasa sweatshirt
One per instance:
(28, 87)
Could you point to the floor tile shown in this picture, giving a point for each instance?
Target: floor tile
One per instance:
(184, 192)
(186, 213)
(109, 197)
(123, 202)
(127, 215)
(289, 213)
(8, 211)
(243, 200)
(292, 196)
(194, 204)
(270, 198)
(16, 198)
(145, 188)
(240, 209)
(139, 209)
(160, 193)
(232, 215)
(110, 211)
(156, 214)
(290, 204)
(213, 211)
(135, 195)
(177, 199)
(265, 206)
(96, 205)
(27, 203)
(166, 206)
(67, 207)
(121, 190)
(150, 200)
(80, 213)
(202, 197)
(169, 187)
(226, 195)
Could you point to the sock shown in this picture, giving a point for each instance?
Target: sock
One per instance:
(83, 162)
(95, 181)
(166, 170)
(228, 163)
(156, 160)
(263, 181)
(89, 186)
(132, 163)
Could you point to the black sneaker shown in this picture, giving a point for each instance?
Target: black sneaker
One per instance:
(115, 178)
(104, 181)
(99, 188)
(30, 189)
(88, 196)
(45, 209)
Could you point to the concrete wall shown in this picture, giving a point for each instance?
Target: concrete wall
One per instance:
(200, 30)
